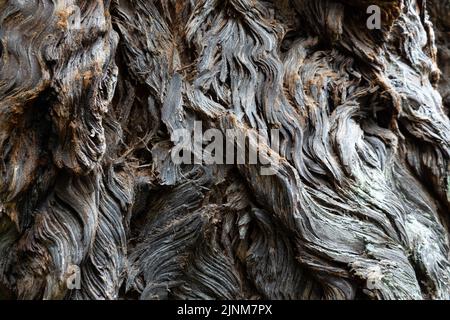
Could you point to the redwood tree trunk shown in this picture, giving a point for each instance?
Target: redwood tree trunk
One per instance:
(93, 94)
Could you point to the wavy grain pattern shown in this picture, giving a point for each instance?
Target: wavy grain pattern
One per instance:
(92, 94)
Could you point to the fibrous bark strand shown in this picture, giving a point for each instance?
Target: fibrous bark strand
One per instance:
(93, 93)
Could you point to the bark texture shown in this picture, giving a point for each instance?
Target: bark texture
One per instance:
(91, 93)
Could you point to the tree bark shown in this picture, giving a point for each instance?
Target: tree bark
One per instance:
(94, 93)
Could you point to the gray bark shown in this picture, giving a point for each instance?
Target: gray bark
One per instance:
(93, 92)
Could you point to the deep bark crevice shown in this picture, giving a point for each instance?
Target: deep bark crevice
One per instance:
(93, 98)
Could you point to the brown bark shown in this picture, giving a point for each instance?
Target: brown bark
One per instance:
(93, 94)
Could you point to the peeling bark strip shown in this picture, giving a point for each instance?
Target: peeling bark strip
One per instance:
(93, 93)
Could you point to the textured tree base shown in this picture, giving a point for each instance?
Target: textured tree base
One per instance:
(92, 93)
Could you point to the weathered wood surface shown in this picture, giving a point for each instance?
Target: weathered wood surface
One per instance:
(89, 104)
